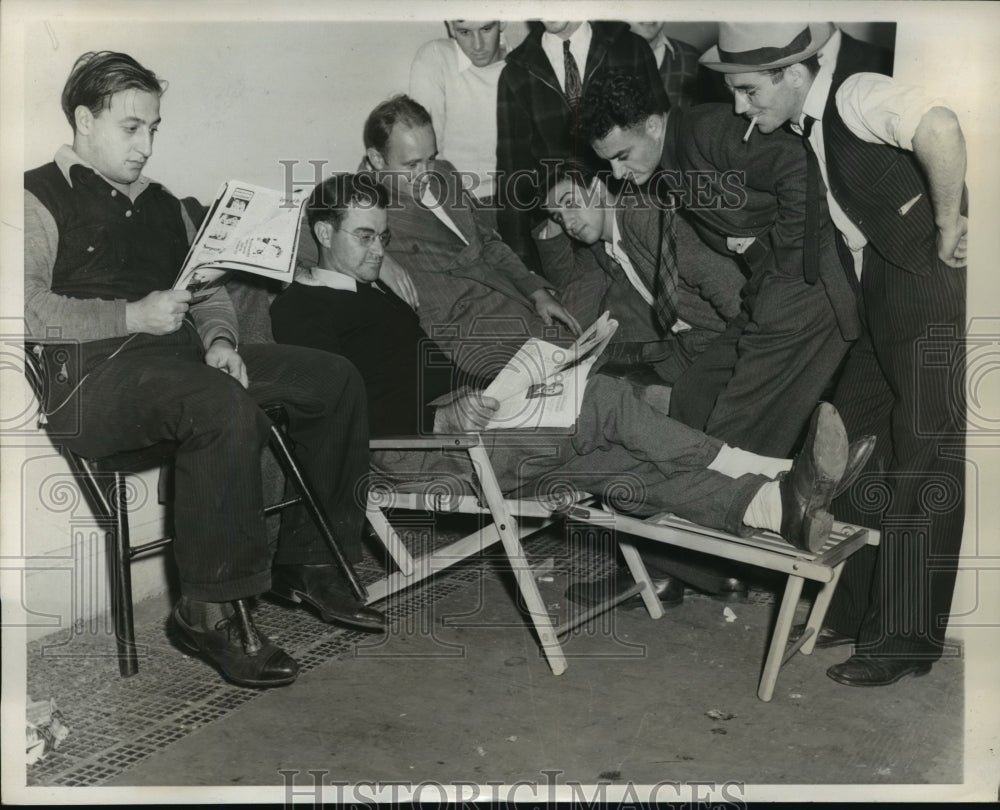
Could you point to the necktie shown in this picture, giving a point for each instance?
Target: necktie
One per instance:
(665, 278)
(810, 247)
(574, 85)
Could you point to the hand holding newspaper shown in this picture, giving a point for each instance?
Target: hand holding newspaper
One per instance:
(543, 384)
(248, 228)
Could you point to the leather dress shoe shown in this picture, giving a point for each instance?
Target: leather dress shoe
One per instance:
(858, 453)
(808, 487)
(326, 589)
(861, 670)
(669, 590)
(242, 655)
(825, 638)
(732, 590)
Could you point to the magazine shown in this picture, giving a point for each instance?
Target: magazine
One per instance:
(543, 384)
(248, 228)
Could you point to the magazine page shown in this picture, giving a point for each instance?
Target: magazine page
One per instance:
(536, 361)
(249, 228)
(543, 384)
(553, 403)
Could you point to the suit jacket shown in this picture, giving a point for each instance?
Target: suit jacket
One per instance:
(535, 121)
(771, 199)
(478, 288)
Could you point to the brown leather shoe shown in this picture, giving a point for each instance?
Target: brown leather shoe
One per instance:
(861, 670)
(242, 655)
(808, 487)
(325, 588)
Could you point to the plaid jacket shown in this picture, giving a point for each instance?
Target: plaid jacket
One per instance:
(535, 122)
(685, 80)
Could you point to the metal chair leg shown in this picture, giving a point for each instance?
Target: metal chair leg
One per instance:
(287, 461)
(113, 508)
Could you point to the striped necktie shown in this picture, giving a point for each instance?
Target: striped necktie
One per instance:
(574, 85)
(665, 278)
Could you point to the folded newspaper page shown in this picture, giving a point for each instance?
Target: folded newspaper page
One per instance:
(543, 384)
(249, 229)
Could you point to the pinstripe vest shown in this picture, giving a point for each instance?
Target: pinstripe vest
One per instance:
(880, 187)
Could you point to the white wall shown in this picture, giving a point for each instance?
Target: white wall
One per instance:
(245, 95)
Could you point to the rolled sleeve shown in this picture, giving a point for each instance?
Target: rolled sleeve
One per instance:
(878, 109)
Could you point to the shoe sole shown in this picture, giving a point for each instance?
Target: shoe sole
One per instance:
(816, 529)
(192, 649)
(916, 673)
(298, 597)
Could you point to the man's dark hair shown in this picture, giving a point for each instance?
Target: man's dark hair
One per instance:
(579, 173)
(98, 75)
(617, 100)
(330, 200)
(400, 109)
(811, 64)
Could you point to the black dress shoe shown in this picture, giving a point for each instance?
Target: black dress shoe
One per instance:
(808, 487)
(858, 453)
(731, 590)
(587, 594)
(326, 589)
(826, 637)
(861, 670)
(243, 656)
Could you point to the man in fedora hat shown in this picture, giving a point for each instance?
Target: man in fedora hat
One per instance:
(893, 162)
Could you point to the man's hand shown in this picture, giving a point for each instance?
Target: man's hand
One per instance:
(159, 313)
(739, 244)
(223, 356)
(952, 247)
(398, 280)
(549, 309)
(465, 414)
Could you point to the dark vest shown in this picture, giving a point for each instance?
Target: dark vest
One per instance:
(110, 247)
(880, 187)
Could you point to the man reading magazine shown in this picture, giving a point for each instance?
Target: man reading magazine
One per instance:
(139, 363)
(413, 388)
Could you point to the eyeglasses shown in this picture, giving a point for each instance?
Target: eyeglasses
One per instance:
(366, 237)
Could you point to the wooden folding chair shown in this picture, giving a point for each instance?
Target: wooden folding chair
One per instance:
(762, 549)
(512, 519)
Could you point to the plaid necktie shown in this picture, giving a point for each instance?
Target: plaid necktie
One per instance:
(665, 278)
(574, 85)
(810, 246)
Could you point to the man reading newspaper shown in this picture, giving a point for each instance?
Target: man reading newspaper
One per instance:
(341, 306)
(137, 363)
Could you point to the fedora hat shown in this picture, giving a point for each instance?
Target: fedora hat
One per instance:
(749, 47)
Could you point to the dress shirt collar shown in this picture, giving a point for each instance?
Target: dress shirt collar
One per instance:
(464, 63)
(66, 158)
(579, 46)
(660, 47)
(333, 279)
(816, 98)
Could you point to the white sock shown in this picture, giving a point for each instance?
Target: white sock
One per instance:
(734, 462)
(764, 511)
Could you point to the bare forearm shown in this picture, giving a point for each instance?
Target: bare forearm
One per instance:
(939, 146)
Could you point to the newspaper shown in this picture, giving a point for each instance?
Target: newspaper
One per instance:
(250, 229)
(543, 384)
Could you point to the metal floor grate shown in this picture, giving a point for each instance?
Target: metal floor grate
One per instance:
(116, 723)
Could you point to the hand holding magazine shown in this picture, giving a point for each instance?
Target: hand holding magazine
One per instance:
(543, 384)
(248, 228)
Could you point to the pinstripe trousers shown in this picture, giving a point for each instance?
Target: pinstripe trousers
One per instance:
(904, 383)
(159, 388)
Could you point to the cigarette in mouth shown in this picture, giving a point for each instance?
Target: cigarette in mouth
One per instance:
(753, 123)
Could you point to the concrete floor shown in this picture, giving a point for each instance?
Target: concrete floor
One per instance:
(457, 692)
